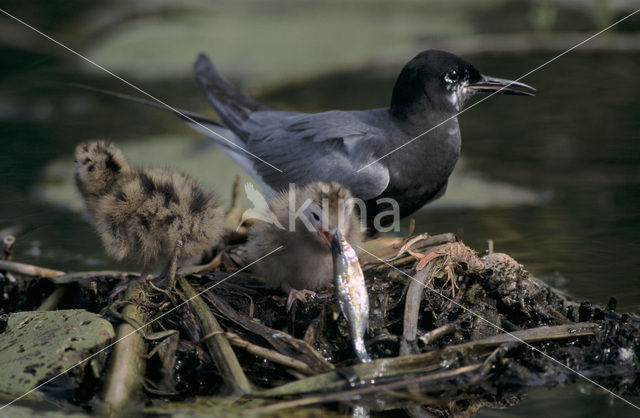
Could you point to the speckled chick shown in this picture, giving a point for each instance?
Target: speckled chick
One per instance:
(304, 263)
(144, 212)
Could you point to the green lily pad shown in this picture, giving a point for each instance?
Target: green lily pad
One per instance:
(38, 345)
(20, 411)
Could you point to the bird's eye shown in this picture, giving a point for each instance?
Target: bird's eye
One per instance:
(452, 77)
(315, 216)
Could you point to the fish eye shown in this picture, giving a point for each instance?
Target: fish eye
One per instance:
(452, 76)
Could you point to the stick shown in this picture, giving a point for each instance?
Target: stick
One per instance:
(271, 355)
(395, 257)
(7, 247)
(29, 270)
(84, 276)
(218, 346)
(128, 360)
(283, 343)
(430, 378)
(435, 334)
(419, 363)
(51, 302)
(212, 265)
(412, 305)
(424, 240)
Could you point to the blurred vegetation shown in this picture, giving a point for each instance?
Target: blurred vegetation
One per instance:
(260, 42)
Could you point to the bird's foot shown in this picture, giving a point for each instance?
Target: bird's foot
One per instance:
(300, 295)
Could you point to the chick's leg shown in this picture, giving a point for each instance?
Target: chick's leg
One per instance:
(295, 294)
(146, 272)
(169, 271)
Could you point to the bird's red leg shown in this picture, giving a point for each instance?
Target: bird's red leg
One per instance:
(295, 294)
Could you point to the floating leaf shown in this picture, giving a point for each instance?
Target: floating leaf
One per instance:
(39, 345)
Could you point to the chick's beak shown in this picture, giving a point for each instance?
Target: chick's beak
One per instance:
(331, 236)
(326, 235)
(500, 85)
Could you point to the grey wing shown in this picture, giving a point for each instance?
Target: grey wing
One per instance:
(331, 146)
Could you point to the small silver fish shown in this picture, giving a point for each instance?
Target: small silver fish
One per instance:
(351, 291)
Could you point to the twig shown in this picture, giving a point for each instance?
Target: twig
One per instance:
(426, 269)
(84, 276)
(435, 334)
(7, 247)
(425, 240)
(395, 257)
(212, 265)
(388, 367)
(412, 305)
(29, 270)
(367, 390)
(281, 341)
(127, 368)
(271, 355)
(51, 302)
(218, 346)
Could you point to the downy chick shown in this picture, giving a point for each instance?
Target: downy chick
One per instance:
(145, 213)
(304, 264)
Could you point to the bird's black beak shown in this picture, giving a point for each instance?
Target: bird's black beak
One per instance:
(500, 85)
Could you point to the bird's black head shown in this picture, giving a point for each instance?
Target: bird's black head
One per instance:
(443, 82)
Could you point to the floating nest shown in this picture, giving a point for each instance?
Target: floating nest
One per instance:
(450, 332)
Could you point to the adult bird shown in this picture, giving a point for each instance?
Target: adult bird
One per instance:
(405, 152)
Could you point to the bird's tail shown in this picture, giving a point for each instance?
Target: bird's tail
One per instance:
(232, 106)
(230, 143)
(211, 128)
(185, 115)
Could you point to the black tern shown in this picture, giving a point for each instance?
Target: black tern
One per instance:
(405, 152)
(396, 158)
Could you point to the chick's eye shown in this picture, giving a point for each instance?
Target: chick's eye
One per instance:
(452, 76)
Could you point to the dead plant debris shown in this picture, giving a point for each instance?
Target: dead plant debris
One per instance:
(449, 332)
